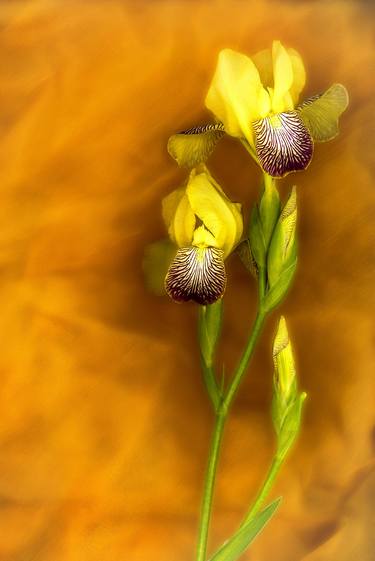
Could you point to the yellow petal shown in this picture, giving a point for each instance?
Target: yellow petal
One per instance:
(237, 213)
(170, 204)
(203, 238)
(282, 76)
(299, 75)
(263, 62)
(219, 215)
(179, 217)
(235, 92)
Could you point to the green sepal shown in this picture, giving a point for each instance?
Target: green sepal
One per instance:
(210, 318)
(240, 541)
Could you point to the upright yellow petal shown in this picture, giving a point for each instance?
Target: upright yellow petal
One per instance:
(283, 78)
(299, 75)
(203, 237)
(170, 204)
(220, 216)
(237, 213)
(235, 92)
(263, 62)
(179, 217)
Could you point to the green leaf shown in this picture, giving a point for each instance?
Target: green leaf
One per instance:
(237, 544)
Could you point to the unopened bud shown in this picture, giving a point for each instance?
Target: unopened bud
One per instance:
(282, 255)
(263, 220)
(287, 401)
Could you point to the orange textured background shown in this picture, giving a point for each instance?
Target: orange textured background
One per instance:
(104, 423)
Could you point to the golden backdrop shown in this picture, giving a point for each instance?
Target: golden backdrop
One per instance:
(104, 420)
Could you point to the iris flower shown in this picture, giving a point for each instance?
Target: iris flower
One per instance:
(206, 226)
(256, 101)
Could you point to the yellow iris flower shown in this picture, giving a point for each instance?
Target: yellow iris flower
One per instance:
(206, 226)
(256, 100)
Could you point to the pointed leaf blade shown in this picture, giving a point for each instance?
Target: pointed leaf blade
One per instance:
(237, 544)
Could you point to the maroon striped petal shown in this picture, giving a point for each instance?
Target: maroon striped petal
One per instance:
(283, 143)
(196, 274)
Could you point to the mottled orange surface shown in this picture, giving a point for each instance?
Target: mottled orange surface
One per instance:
(104, 420)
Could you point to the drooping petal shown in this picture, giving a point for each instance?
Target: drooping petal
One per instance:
(321, 113)
(219, 215)
(283, 143)
(236, 95)
(192, 147)
(282, 78)
(179, 217)
(196, 274)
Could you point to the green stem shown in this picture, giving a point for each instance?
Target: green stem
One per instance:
(222, 413)
(209, 485)
(211, 384)
(265, 489)
(209, 326)
(245, 359)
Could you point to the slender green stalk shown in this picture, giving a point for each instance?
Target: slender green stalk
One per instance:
(245, 359)
(211, 384)
(265, 489)
(221, 415)
(209, 326)
(209, 486)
